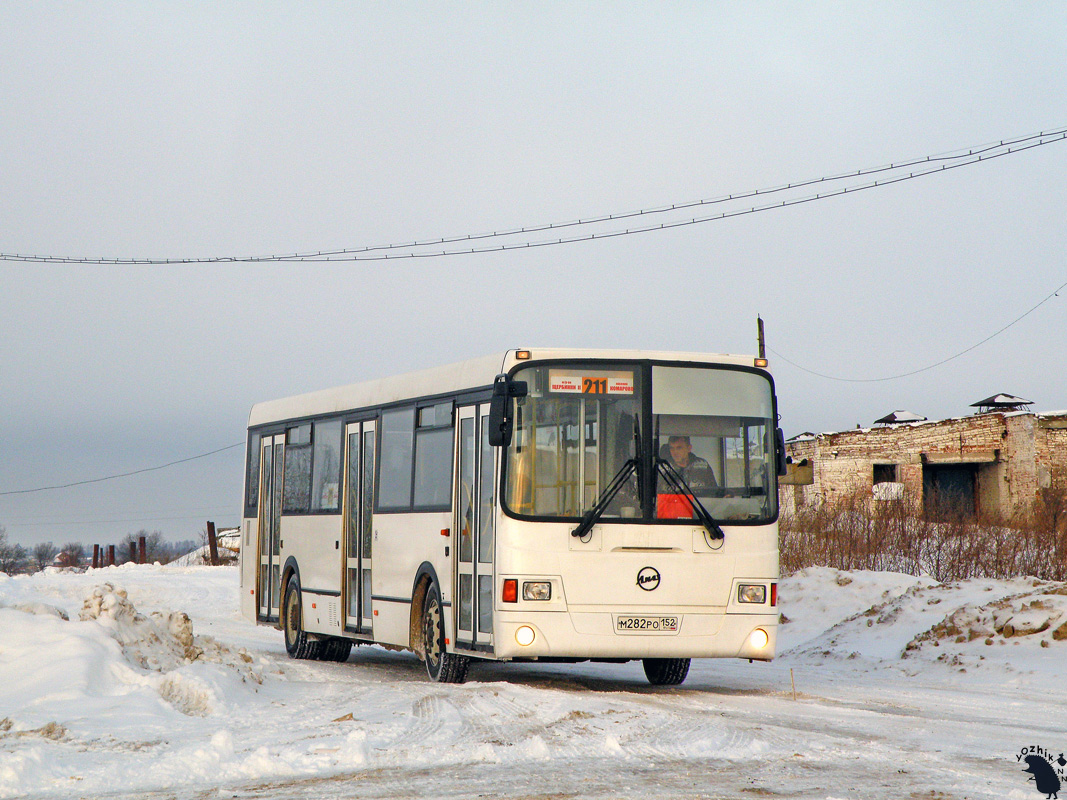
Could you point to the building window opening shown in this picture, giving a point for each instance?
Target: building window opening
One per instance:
(885, 473)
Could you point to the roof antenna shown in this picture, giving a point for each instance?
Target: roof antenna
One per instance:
(759, 338)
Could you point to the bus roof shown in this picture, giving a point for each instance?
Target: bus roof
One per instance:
(473, 374)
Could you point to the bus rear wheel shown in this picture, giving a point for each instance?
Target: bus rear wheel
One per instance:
(335, 649)
(297, 643)
(666, 671)
(441, 666)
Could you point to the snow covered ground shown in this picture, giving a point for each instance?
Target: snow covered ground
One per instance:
(905, 688)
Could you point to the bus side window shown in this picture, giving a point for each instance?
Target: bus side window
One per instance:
(326, 466)
(296, 495)
(395, 458)
(433, 456)
(252, 476)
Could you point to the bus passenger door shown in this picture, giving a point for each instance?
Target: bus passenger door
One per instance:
(272, 465)
(359, 505)
(475, 527)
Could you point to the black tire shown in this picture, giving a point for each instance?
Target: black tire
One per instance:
(666, 671)
(297, 643)
(335, 649)
(441, 666)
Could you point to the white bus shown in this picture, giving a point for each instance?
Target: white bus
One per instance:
(553, 505)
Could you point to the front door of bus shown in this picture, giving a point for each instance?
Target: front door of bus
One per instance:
(359, 506)
(475, 526)
(270, 506)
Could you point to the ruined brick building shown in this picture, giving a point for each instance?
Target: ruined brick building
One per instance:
(990, 462)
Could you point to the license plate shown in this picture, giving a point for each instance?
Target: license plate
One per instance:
(646, 624)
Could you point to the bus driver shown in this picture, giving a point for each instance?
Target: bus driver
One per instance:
(695, 470)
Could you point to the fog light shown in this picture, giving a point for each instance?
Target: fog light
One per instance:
(752, 593)
(536, 590)
(759, 638)
(525, 635)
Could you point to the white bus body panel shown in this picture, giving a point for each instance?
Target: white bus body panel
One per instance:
(313, 542)
(403, 543)
(248, 559)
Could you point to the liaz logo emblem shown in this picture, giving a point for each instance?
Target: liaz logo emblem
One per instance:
(648, 578)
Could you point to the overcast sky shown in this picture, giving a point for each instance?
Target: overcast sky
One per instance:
(172, 130)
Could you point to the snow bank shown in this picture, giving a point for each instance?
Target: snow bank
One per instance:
(816, 599)
(228, 546)
(145, 678)
(108, 674)
(912, 623)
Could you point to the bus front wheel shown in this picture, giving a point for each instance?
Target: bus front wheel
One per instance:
(297, 643)
(441, 666)
(666, 671)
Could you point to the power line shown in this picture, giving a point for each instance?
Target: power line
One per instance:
(696, 203)
(1054, 293)
(928, 165)
(122, 475)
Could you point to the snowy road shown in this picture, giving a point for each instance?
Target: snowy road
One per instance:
(730, 732)
(946, 722)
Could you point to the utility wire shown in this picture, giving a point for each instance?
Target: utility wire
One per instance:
(974, 151)
(122, 475)
(1055, 293)
(930, 165)
(697, 203)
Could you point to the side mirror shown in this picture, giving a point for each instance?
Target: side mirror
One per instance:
(501, 423)
(779, 447)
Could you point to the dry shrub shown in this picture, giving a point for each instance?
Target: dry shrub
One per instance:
(859, 532)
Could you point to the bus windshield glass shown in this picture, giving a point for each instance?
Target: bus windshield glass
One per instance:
(577, 427)
(711, 429)
(714, 428)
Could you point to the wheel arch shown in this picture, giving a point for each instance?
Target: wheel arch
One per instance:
(290, 569)
(303, 645)
(424, 576)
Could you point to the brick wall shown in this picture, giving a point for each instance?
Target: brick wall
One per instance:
(1013, 454)
(1051, 451)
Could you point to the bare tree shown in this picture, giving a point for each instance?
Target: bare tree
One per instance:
(13, 557)
(43, 555)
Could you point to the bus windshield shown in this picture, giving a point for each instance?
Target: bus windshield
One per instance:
(580, 425)
(574, 431)
(715, 429)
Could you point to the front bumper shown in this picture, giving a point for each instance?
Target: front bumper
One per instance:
(593, 633)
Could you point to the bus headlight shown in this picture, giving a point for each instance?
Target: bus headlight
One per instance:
(536, 590)
(525, 635)
(752, 593)
(759, 638)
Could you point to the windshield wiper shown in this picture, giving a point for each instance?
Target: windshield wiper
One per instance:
(597, 511)
(638, 461)
(675, 481)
